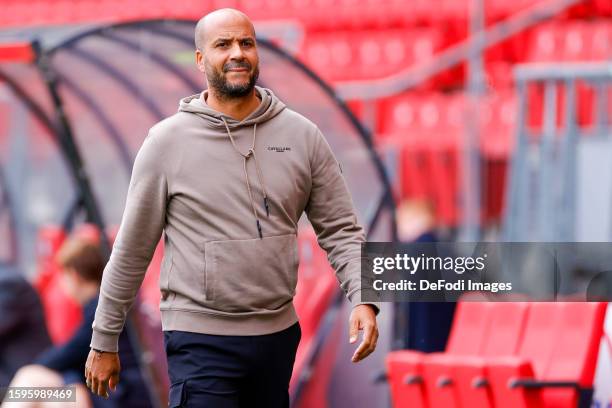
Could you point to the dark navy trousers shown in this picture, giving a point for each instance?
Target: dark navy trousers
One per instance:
(230, 371)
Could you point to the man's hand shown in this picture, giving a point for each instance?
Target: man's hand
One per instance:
(363, 318)
(102, 372)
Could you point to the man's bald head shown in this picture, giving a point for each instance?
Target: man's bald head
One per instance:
(215, 20)
(226, 52)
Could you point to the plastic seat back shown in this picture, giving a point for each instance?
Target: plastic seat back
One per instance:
(575, 350)
(506, 329)
(470, 325)
(404, 376)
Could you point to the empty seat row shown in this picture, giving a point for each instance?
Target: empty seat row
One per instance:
(513, 354)
(370, 54)
(499, 9)
(362, 55)
(315, 14)
(412, 114)
(421, 136)
(571, 41)
(348, 14)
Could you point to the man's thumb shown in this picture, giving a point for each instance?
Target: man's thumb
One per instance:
(353, 330)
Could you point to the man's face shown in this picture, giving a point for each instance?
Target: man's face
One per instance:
(230, 59)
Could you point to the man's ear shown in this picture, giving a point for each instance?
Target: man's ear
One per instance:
(199, 56)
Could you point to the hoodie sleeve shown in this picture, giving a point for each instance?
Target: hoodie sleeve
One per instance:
(141, 227)
(332, 214)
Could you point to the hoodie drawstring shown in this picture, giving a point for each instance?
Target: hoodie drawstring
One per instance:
(245, 157)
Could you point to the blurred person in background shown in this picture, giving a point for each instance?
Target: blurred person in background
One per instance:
(428, 322)
(23, 332)
(416, 221)
(82, 265)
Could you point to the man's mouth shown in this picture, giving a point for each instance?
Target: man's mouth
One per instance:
(237, 68)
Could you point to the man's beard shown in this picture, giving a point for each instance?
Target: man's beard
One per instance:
(218, 82)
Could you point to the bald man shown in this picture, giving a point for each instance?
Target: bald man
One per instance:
(226, 179)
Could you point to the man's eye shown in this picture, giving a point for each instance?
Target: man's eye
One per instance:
(247, 43)
(222, 44)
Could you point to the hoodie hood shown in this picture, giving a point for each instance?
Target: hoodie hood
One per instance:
(269, 107)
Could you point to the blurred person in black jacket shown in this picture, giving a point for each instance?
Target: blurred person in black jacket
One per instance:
(429, 323)
(82, 266)
(23, 332)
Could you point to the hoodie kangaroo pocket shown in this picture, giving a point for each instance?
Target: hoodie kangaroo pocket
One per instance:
(252, 274)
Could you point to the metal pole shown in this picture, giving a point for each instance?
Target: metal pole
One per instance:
(518, 169)
(70, 149)
(545, 185)
(565, 227)
(470, 228)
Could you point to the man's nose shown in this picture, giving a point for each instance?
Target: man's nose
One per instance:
(236, 51)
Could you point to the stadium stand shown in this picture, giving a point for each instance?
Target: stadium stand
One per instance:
(364, 40)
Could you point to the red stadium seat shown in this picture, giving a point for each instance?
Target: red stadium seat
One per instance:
(500, 9)
(602, 8)
(414, 177)
(498, 118)
(560, 344)
(444, 169)
(405, 379)
(499, 75)
(451, 379)
(497, 114)
(404, 367)
(532, 357)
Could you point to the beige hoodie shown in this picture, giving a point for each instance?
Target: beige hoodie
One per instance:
(228, 195)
